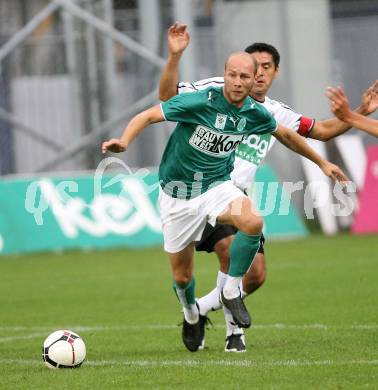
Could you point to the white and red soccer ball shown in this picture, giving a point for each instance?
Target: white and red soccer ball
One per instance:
(63, 349)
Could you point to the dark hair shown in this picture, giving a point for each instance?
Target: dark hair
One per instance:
(260, 47)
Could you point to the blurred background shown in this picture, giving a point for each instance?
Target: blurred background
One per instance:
(72, 73)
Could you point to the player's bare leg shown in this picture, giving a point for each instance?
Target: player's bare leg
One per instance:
(256, 275)
(182, 265)
(222, 250)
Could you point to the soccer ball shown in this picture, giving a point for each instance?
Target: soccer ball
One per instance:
(63, 349)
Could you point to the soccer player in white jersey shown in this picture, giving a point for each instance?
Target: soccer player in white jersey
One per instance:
(249, 155)
(340, 107)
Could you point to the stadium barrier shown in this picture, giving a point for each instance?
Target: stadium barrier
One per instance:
(93, 212)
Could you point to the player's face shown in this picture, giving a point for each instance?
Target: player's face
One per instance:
(266, 72)
(238, 81)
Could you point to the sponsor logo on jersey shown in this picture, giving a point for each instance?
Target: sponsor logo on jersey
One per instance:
(241, 124)
(233, 120)
(220, 121)
(254, 148)
(214, 143)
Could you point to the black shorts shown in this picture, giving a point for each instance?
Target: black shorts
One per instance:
(212, 234)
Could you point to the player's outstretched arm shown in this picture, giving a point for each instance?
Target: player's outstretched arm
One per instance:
(330, 128)
(133, 129)
(340, 107)
(178, 40)
(296, 143)
(363, 123)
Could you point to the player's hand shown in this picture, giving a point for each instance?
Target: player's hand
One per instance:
(334, 172)
(339, 103)
(178, 38)
(369, 99)
(113, 145)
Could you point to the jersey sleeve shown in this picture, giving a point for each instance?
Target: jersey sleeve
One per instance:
(267, 124)
(287, 117)
(183, 108)
(271, 123)
(292, 120)
(185, 86)
(305, 125)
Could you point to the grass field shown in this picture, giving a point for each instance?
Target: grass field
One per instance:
(315, 320)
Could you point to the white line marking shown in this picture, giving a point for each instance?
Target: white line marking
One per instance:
(22, 337)
(238, 363)
(42, 332)
(83, 328)
(289, 326)
(204, 363)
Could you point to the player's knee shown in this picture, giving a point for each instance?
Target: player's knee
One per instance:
(253, 225)
(182, 278)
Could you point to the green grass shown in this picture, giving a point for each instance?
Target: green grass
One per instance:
(315, 320)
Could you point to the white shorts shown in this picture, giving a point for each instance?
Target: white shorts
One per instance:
(183, 221)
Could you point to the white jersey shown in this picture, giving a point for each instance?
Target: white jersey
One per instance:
(253, 149)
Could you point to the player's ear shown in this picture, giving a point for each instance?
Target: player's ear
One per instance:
(277, 71)
(255, 66)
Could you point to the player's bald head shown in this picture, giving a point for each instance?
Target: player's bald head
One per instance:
(239, 74)
(241, 59)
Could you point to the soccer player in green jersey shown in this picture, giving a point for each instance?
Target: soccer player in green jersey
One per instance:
(249, 154)
(340, 107)
(195, 181)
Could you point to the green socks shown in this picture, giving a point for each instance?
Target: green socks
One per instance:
(242, 251)
(186, 296)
